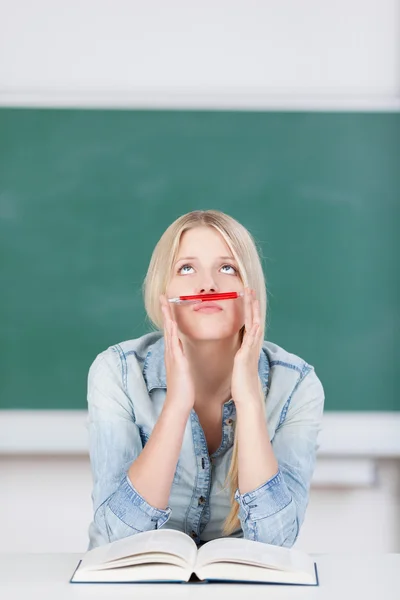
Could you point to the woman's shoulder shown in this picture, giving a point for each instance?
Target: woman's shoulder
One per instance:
(126, 355)
(137, 347)
(292, 380)
(278, 356)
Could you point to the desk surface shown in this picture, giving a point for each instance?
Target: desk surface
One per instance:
(344, 576)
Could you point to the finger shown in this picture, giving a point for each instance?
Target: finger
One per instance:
(252, 336)
(167, 337)
(172, 336)
(171, 326)
(163, 311)
(257, 321)
(170, 312)
(175, 342)
(256, 309)
(166, 309)
(166, 323)
(247, 310)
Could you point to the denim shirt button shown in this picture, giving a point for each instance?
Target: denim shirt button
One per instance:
(228, 421)
(193, 534)
(202, 500)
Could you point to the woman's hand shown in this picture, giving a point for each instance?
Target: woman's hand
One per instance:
(180, 386)
(245, 383)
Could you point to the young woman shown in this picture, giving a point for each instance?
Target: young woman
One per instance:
(202, 426)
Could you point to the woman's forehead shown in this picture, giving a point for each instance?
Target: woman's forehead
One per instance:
(203, 240)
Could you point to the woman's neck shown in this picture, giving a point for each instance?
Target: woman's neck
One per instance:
(211, 365)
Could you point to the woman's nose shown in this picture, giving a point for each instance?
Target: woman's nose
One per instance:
(206, 284)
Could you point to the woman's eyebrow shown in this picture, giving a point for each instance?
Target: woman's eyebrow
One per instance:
(195, 258)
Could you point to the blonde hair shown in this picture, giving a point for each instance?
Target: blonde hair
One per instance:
(247, 255)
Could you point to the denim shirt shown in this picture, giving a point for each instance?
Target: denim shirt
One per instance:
(126, 393)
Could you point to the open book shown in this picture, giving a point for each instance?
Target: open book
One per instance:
(170, 556)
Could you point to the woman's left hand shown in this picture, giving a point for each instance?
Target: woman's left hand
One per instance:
(245, 383)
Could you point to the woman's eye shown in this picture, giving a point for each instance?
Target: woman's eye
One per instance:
(223, 266)
(183, 267)
(229, 267)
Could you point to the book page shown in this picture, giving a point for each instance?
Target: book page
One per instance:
(234, 572)
(166, 541)
(149, 573)
(140, 559)
(253, 553)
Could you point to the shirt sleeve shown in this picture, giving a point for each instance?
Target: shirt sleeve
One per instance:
(274, 512)
(114, 443)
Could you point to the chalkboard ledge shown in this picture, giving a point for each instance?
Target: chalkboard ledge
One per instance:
(63, 432)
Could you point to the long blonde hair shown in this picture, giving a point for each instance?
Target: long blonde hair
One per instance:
(247, 255)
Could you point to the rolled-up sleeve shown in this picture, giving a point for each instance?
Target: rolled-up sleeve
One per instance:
(274, 512)
(114, 443)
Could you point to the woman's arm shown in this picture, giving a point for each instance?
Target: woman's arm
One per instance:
(131, 484)
(154, 469)
(274, 511)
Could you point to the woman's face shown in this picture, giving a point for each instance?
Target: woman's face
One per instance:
(211, 268)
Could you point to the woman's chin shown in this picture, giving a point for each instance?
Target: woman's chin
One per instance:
(207, 334)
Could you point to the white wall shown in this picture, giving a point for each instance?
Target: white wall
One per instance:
(46, 507)
(185, 51)
(45, 479)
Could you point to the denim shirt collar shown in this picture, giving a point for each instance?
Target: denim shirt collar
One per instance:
(154, 367)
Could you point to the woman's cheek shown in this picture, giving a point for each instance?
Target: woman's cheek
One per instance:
(183, 319)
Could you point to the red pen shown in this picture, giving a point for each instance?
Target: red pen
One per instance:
(205, 298)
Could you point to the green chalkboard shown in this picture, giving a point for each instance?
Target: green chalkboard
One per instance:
(86, 194)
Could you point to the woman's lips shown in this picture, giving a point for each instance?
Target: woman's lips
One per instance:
(207, 307)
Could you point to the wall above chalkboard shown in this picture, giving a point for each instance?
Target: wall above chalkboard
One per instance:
(86, 194)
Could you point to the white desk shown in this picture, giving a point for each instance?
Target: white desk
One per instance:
(342, 577)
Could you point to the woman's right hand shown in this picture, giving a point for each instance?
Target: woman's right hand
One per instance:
(180, 386)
